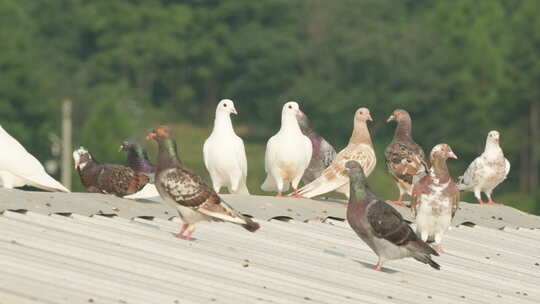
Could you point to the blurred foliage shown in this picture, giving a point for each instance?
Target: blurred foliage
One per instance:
(461, 68)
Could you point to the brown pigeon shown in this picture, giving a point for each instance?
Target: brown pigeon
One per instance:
(187, 192)
(107, 178)
(435, 198)
(360, 148)
(404, 158)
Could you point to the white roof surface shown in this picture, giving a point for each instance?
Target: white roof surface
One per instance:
(98, 259)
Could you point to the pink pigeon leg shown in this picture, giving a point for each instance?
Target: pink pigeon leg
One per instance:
(181, 233)
(491, 202)
(399, 202)
(378, 267)
(188, 235)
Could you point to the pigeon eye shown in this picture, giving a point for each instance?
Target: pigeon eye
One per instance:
(224, 105)
(290, 107)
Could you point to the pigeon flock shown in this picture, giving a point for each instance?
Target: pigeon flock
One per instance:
(295, 154)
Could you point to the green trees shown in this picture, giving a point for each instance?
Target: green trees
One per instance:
(460, 67)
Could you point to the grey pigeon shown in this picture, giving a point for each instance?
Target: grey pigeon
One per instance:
(404, 157)
(487, 171)
(381, 226)
(323, 153)
(187, 192)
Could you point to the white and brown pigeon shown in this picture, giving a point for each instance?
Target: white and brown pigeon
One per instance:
(323, 153)
(404, 157)
(435, 198)
(288, 153)
(19, 168)
(360, 148)
(224, 153)
(105, 178)
(487, 171)
(381, 226)
(185, 191)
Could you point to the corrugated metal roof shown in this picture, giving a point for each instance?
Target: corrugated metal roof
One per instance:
(99, 259)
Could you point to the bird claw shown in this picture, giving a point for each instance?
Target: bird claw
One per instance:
(378, 267)
(440, 249)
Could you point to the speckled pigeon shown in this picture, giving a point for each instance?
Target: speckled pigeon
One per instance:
(107, 178)
(404, 157)
(435, 198)
(487, 171)
(187, 192)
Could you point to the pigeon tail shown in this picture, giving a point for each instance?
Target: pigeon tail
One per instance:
(250, 225)
(45, 182)
(426, 259)
(319, 186)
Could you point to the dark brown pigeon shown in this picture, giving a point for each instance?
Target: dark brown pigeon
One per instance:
(435, 198)
(404, 158)
(380, 226)
(107, 178)
(187, 192)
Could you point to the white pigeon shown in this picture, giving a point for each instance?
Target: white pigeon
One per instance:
(19, 168)
(288, 153)
(486, 171)
(224, 152)
(360, 149)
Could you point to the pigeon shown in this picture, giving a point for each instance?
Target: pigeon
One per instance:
(435, 198)
(107, 178)
(224, 153)
(404, 158)
(19, 168)
(288, 153)
(323, 153)
(359, 148)
(381, 226)
(486, 171)
(187, 192)
(137, 158)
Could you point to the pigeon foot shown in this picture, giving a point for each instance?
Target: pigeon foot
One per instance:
(188, 235)
(493, 203)
(440, 249)
(181, 233)
(378, 267)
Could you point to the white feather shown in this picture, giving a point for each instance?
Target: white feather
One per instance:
(224, 153)
(19, 168)
(288, 153)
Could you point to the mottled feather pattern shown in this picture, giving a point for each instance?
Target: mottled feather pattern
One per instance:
(112, 179)
(187, 189)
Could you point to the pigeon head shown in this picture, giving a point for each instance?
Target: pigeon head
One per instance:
(362, 114)
(355, 171)
(303, 122)
(81, 156)
(493, 136)
(399, 115)
(134, 147)
(291, 108)
(226, 106)
(442, 151)
(159, 133)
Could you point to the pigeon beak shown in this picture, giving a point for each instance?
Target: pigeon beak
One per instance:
(76, 165)
(452, 155)
(392, 117)
(369, 117)
(299, 112)
(121, 148)
(233, 110)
